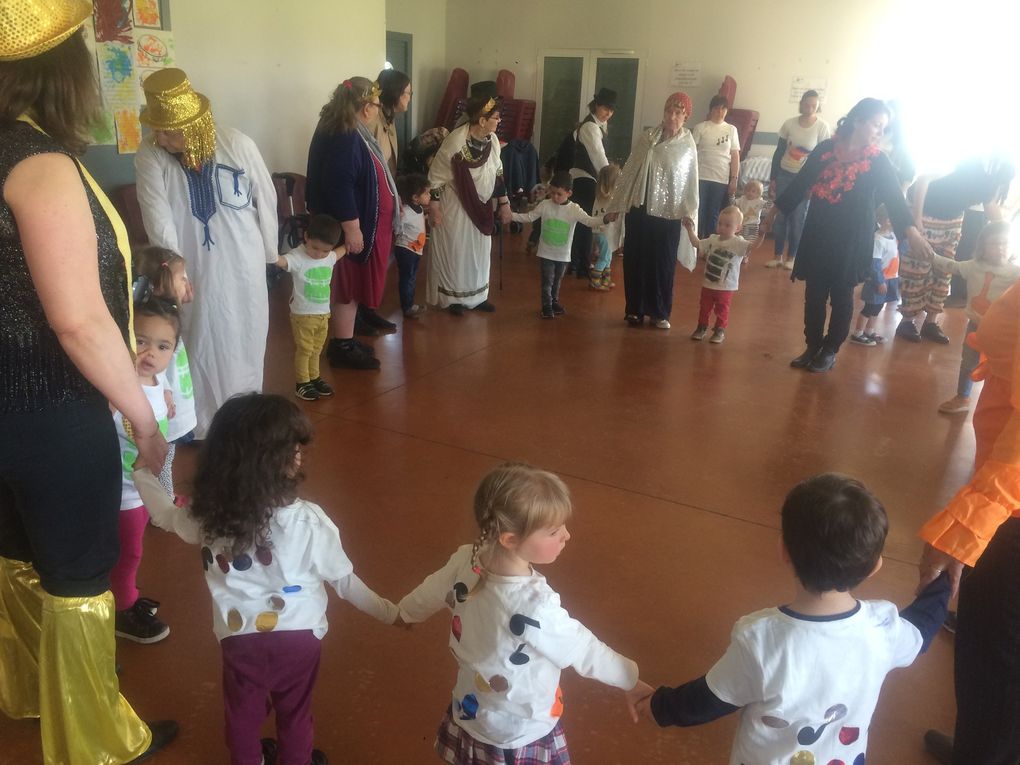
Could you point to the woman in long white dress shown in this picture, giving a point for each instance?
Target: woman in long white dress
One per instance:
(466, 177)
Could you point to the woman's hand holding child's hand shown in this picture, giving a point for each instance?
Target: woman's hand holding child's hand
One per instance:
(639, 700)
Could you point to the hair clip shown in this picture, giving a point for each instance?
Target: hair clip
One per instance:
(347, 84)
(141, 290)
(477, 569)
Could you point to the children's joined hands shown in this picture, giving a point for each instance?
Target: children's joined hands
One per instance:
(639, 700)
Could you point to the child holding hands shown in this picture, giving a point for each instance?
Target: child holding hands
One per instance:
(724, 252)
(509, 633)
(882, 284)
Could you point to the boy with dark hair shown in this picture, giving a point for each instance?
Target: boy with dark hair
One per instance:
(415, 191)
(806, 676)
(559, 218)
(311, 268)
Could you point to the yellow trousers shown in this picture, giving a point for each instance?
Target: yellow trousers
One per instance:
(309, 339)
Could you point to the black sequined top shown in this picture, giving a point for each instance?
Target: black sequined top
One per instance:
(35, 373)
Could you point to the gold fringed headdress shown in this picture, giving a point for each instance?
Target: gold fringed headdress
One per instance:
(172, 104)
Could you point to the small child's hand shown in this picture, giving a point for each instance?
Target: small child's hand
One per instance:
(882, 289)
(340, 250)
(638, 700)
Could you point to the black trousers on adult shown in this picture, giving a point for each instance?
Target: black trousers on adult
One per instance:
(649, 263)
(712, 198)
(820, 293)
(60, 479)
(580, 248)
(988, 655)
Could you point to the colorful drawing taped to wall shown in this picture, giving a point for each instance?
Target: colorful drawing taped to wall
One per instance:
(115, 64)
(113, 20)
(129, 130)
(155, 49)
(146, 14)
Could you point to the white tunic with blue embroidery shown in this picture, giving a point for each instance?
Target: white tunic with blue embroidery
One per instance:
(223, 222)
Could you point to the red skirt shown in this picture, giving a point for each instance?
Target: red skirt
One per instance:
(364, 282)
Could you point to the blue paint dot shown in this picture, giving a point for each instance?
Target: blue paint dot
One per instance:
(242, 562)
(292, 588)
(469, 707)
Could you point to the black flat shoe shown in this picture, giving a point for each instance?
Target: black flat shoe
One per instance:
(485, 306)
(822, 362)
(457, 309)
(364, 329)
(932, 331)
(634, 320)
(373, 319)
(163, 732)
(907, 330)
(804, 359)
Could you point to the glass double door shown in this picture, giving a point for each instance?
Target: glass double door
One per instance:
(569, 80)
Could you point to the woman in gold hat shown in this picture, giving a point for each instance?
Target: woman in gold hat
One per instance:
(65, 305)
(205, 192)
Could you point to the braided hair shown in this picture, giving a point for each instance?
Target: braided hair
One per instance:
(517, 498)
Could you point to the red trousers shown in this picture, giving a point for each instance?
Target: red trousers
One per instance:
(717, 300)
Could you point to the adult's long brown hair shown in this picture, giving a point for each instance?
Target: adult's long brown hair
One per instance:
(57, 89)
(339, 114)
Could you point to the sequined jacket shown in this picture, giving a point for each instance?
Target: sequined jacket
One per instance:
(35, 372)
(662, 176)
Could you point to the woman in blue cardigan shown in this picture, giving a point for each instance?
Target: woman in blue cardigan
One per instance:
(348, 178)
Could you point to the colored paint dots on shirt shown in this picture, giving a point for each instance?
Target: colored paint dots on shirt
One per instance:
(277, 603)
(469, 707)
(264, 555)
(456, 627)
(499, 684)
(223, 563)
(242, 562)
(802, 758)
(848, 736)
(234, 620)
(207, 558)
(290, 588)
(774, 722)
(267, 621)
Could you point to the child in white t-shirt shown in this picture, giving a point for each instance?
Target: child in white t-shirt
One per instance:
(311, 268)
(415, 193)
(806, 676)
(157, 331)
(882, 285)
(509, 634)
(724, 253)
(988, 275)
(559, 218)
(266, 554)
(751, 203)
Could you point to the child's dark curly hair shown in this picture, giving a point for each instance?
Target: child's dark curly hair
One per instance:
(248, 467)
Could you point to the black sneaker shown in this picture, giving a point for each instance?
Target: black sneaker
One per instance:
(364, 329)
(137, 624)
(369, 349)
(306, 391)
(323, 388)
(373, 319)
(932, 331)
(822, 362)
(805, 358)
(547, 312)
(558, 309)
(152, 606)
(485, 307)
(457, 309)
(270, 751)
(163, 732)
(907, 330)
(351, 356)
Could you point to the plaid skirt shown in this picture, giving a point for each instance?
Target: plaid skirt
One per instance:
(456, 747)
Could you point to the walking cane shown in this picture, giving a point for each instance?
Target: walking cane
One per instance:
(501, 258)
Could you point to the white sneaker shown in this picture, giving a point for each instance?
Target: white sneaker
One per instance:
(774, 263)
(662, 324)
(788, 265)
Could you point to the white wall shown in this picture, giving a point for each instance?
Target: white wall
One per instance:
(763, 45)
(268, 67)
(425, 20)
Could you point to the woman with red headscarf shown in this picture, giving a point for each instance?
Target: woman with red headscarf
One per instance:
(658, 191)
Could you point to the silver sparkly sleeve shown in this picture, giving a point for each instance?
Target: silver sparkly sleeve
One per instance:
(673, 169)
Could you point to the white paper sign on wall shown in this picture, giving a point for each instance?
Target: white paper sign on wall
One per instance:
(801, 84)
(686, 74)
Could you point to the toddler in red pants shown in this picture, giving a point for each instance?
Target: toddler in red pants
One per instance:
(724, 252)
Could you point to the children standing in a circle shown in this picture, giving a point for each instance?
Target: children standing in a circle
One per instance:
(509, 633)
(798, 137)
(311, 267)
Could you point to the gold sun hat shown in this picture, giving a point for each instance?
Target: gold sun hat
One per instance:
(172, 104)
(31, 27)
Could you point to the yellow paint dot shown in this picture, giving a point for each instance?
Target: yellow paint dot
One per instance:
(234, 620)
(267, 621)
(481, 684)
(803, 758)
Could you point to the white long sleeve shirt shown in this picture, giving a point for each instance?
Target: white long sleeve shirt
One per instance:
(271, 588)
(511, 639)
(558, 224)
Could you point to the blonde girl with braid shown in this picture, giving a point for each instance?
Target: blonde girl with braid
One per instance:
(508, 631)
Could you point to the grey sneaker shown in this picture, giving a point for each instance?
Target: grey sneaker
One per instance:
(718, 335)
(699, 333)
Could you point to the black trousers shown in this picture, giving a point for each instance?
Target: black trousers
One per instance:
(712, 198)
(60, 478)
(988, 655)
(580, 248)
(818, 294)
(649, 263)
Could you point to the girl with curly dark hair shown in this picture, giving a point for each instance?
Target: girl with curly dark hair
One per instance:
(266, 554)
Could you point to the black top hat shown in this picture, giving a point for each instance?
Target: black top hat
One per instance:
(484, 88)
(606, 97)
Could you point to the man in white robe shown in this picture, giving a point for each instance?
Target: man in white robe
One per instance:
(206, 193)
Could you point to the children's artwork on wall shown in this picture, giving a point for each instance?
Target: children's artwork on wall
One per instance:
(146, 13)
(128, 44)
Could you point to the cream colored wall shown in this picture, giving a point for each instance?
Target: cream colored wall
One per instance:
(425, 20)
(763, 45)
(268, 67)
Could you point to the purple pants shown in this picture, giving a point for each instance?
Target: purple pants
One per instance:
(264, 672)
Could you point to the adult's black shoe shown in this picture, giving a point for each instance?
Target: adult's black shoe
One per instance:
(342, 355)
(805, 358)
(485, 306)
(932, 331)
(457, 309)
(373, 319)
(907, 330)
(163, 732)
(364, 329)
(822, 362)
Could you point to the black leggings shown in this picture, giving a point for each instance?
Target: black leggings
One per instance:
(818, 293)
(580, 248)
(60, 480)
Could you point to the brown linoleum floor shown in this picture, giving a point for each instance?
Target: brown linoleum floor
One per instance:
(678, 455)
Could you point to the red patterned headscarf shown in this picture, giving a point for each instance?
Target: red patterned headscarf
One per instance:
(680, 99)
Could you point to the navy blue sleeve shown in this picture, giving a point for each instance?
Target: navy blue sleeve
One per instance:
(777, 158)
(929, 610)
(692, 703)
